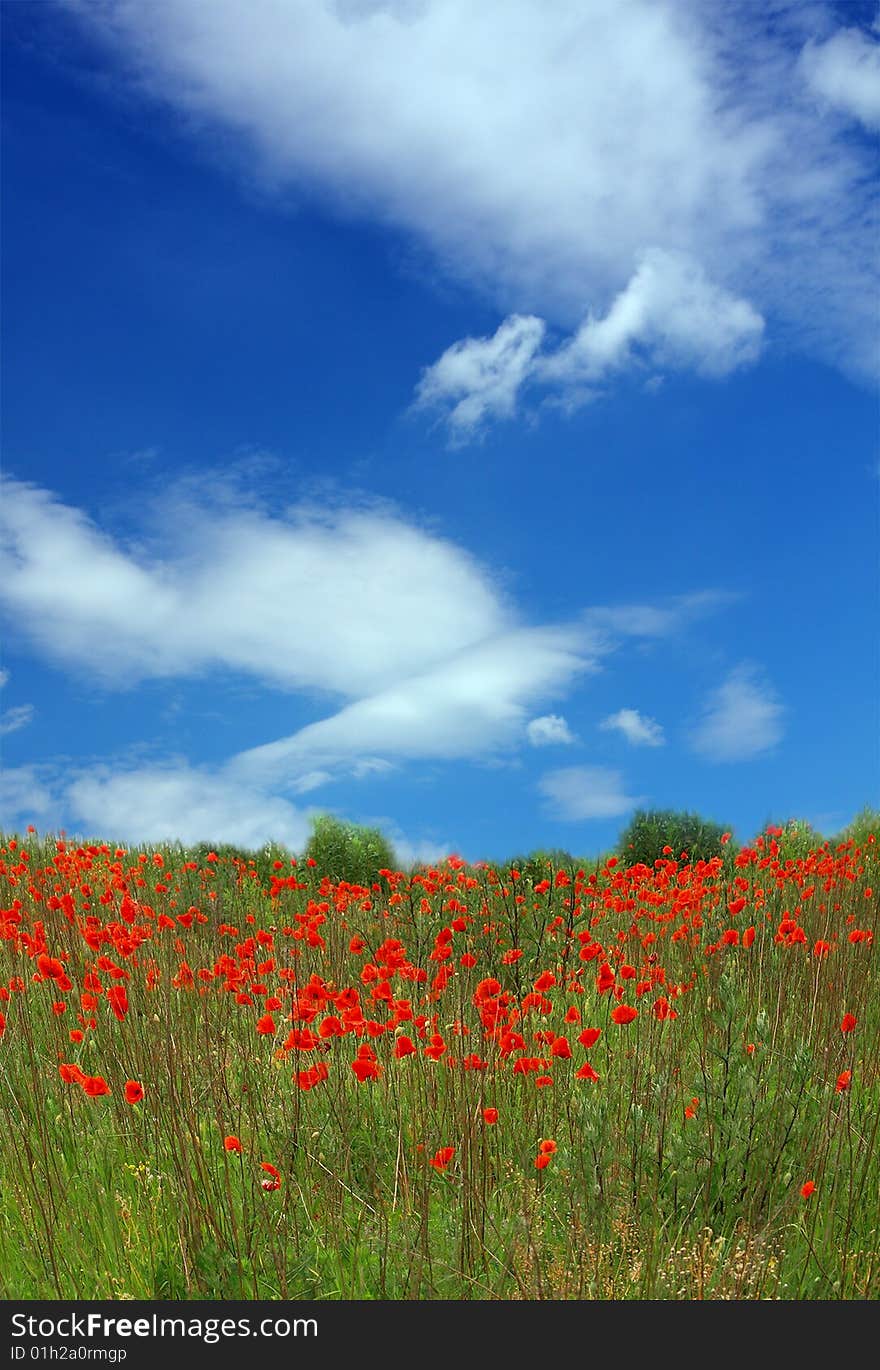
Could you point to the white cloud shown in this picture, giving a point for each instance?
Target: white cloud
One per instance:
(25, 796)
(540, 150)
(154, 804)
(548, 731)
(845, 72)
(4, 677)
(13, 719)
(636, 728)
(345, 600)
(668, 315)
(581, 792)
(742, 719)
(467, 706)
(480, 377)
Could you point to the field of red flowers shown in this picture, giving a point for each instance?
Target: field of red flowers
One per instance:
(237, 1079)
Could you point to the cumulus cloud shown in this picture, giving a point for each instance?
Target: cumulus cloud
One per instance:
(13, 719)
(636, 728)
(844, 71)
(669, 315)
(575, 793)
(479, 378)
(342, 600)
(25, 796)
(550, 730)
(468, 706)
(540, 150)
(154, 804)
(742, 719)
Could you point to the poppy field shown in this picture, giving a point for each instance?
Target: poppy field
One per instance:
(231, 1078)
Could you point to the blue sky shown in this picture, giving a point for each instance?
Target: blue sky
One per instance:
(459, 419)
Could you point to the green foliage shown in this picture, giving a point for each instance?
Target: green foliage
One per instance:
(866, 824)
(797, 839)
(347, 851)
(542, 863)
(650, 830)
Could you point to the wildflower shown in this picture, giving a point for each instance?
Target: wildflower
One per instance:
(849, 1023)
(623, 1014)
(547, 1148)
(274, 1179)
(266, 1025)
(808, 1189)
(691, 1110)
(490, 1116)
(542, 1160)
(843, 1081)
(404, 1046)
(442, 1158)
(95, 1085)
(232, 1144)
(589, 1037)
(134, 1092)
(586, 1072)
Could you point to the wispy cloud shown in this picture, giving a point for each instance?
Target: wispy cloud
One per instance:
(636, 728)
(542, 150)
(742, 719)
(669, 315)
(13, 719)
(550, 730)
(577, 793)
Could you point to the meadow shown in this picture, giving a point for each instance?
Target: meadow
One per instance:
(225, 1077)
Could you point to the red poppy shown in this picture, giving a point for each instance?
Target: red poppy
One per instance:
(95, 1085)
(547, 1148)
(366, 1069)
(543, 1081)
(404, 1046)
(71, 1074)
(691, 1110)
(843, 1081)
(561, 1049)
(266, 1025)
(542, 1160)
(232, 1144)
(134, 1092)
(589, 1037)
(274, 1179)
(849, 1023)
(441, 1160)
(748, 937)
(808, 1189)
(623, 1014)
(490, 1115)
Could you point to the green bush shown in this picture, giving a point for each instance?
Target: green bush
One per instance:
(865, 824)
(347, 851)
(650, 830)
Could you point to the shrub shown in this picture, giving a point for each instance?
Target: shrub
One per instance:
(650, 830)
(347, 851)
(865, 825)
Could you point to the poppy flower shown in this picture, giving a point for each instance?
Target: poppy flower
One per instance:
(404, 1046)
(134, 1092)
(266, 1025)
(586, 1072)
(808, 1189)
(71, 1074)
(274, 1178)
(691, 1110)
(542, 1160)
(490, 1115)
(843, 1081)
(589, 1037)
(232, 1144)
(366, 1069)
(95, 1085)
(442, 1158)
(547, 1148)
(623, 1014)
(849, 1023)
